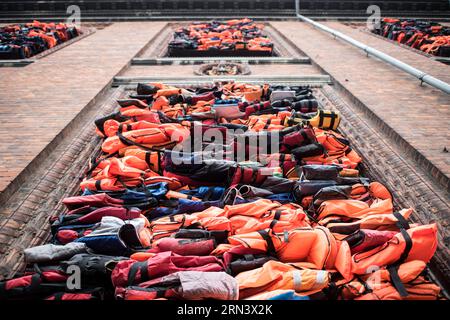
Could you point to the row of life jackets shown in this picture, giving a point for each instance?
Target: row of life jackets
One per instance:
(429, 37)
(153, 222)
(26, 40)
(232, 35)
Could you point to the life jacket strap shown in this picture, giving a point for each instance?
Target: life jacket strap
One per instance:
(393, 268)
(401, 223)
(270, 246)
(249, 257)
(266, 126)
(142, 267)
(276, 218)
(395, 279)
(297, 280)
(59, 295)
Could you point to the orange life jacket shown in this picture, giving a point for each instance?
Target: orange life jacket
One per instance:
(274, 275)
(379, 285)
(314, 247)
(417, 243)
(165, 135)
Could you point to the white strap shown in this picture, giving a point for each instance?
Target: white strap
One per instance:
(297, 278)
(321, 276)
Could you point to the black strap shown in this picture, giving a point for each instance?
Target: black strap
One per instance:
(148, 159)
(304, 135)
(160, 294)
(58, 295)
(367, 289)
(393, 268)
(98, 185)
(401, 223)
(320, 118)
(249, 257)
(310, 105)
(270, 246)
(254, 175)
(333, 118)
(2, 288)
(276, 218)
(395, 279)
(94, 163)
(408, 246)
(36, 280)
(142, 266)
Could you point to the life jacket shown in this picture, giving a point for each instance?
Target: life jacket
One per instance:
(324, 119)
(179, 206)
(326, 172)
(109, 125)
(184, 247)
(195, 171)
(274, 275)
(358, 191)
(188, 285)
(249, 92)
(380, 285)
(265, 123)
(130, 272)
(95, 215)
(416, 243)
(249, 175)
(166, 135)
(144, 88)
(153, 159)
(263, 214)
(284, 161)
(305, 105)
(205, 193)
(380, 221)
(113, 236)
(337, 150)
(295, 137)
(94, 268)
(366, 239)
(253, 108)
(127, 167)
(239, 259)
(110, 184)
(34, 284)
(352, 209)
(97, 200)
(318, 250)
(211, 219)
(84, 295)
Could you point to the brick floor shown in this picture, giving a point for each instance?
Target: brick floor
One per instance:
(40, 100)
(420, 115)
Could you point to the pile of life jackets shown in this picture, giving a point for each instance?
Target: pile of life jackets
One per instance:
(429, 37)
(233, 191)
(232, 37)
(22, 41)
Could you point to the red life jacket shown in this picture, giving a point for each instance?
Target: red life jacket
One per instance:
(129, 272)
